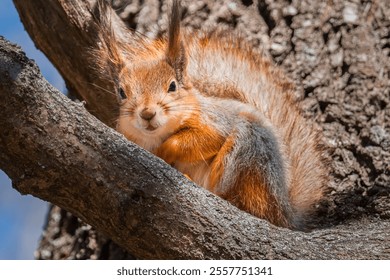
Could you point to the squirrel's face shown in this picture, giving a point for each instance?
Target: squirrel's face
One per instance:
(154, 104)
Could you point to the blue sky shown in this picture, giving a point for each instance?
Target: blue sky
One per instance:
(21, 217)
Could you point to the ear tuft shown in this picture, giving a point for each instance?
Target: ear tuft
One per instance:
(175, 54)
(107, 51)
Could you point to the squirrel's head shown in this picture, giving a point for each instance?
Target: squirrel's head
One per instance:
(156, 96)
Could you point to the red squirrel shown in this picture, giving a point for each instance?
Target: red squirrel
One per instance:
(223, 115)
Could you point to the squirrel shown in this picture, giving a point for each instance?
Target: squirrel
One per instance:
(223, 115)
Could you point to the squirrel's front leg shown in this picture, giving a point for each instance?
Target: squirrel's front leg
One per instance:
(190, 145)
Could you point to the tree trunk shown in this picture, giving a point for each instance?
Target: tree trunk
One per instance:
(336, 52)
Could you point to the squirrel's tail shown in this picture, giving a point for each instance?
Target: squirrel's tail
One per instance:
(308, 182)
(306, 159)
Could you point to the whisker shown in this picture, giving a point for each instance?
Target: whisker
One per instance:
(104, 89)
(183, 109)
(123, 116)
(130, 112)
(179, 107)
(162, 100)
(126, 112)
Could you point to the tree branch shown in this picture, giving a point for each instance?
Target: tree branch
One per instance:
(68, 47)
(54, 149)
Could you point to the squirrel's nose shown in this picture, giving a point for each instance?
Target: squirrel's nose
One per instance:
(147, 114)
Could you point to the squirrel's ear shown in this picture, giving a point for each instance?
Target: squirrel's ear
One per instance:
(176, 54)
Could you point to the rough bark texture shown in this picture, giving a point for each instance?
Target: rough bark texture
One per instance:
(337, 52)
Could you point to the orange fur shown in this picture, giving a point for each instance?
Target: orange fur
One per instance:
(252, 195)
(194, 142)
(218, 166)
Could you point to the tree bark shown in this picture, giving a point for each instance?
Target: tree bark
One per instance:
(337, 54)
(54, 149)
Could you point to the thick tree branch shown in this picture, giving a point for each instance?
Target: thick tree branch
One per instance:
(66, 36)
(54, 149)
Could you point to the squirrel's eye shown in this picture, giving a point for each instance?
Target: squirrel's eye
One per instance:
(122, 93)
(172, 87)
